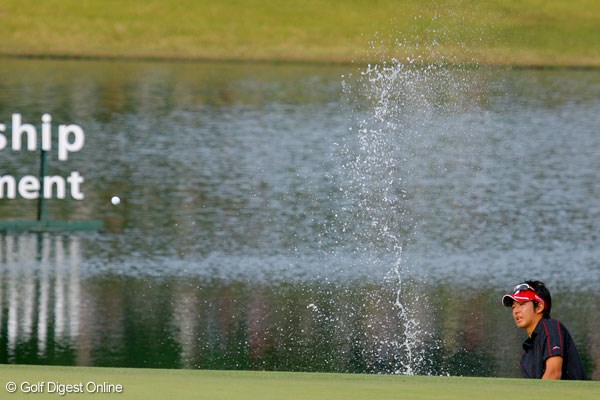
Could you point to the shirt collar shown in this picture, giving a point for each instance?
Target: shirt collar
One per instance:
(528, 343)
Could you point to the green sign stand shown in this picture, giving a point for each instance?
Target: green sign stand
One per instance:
(42, 223)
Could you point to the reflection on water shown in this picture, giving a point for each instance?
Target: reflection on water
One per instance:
(238, 243)
(53, 314)
(40, 294)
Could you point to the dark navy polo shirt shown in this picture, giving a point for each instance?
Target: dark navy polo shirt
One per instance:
(550, 338)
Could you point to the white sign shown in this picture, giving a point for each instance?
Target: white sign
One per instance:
(70, 139)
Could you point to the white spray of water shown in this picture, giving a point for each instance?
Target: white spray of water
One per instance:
(395, 102)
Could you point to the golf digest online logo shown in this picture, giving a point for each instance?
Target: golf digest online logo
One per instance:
(63, 389)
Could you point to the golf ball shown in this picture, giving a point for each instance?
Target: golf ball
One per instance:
(115, 200)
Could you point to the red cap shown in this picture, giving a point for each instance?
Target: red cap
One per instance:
(521, 296)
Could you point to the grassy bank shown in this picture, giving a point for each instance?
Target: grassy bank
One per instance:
(150, 384)
(524, 32)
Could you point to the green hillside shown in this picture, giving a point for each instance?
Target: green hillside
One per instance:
(514, 32)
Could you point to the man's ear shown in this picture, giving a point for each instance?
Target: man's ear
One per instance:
(539, 309)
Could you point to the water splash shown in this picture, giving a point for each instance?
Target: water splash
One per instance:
(394, 102)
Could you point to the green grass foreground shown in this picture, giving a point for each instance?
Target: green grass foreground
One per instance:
(235, 385)
(507, 32)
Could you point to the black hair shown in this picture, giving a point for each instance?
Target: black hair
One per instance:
(544, 293)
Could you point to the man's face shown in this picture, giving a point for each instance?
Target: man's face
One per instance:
(525, 315)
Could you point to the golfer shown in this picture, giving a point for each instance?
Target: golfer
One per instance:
(549, 351)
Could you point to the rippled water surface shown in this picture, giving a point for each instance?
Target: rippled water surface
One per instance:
(334, 218)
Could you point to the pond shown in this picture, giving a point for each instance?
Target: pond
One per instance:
(301, 217)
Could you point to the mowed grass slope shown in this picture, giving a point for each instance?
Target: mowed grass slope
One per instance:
(234, 385)
(517, 32)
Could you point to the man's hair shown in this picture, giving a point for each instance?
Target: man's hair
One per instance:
(544, 293)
